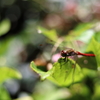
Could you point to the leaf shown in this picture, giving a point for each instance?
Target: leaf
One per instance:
(63, 73)
(94, 46)
(97, 36)
(82, 27)
(48, 91)
(51, 34)
(79, 92)
(6, 73)
(96, 95)
(43, 75)
(87, 62)
(86, 36)
(4, 45)
(4, 27)
(80, 32)
(4, 95)
(89, 72)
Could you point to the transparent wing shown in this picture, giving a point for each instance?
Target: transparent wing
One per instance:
(74, 66)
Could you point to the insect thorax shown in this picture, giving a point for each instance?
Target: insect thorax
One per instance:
(71, 53)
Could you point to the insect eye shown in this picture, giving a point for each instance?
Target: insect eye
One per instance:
(62, 52)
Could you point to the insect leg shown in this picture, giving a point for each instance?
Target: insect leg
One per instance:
(66, 59)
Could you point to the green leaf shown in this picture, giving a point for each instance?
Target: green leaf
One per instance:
(86, 36)
(87, 62)
(63, 73)
(79, 92)
(4, 95)
(43, 75)
(97, 36)
(94, 46)
(89, 72)
(82, 27)
(51, 34)
(66, 73)
(6, 73)
(4, 45)
(4, 27)
(80, 32)
(47, 91)
(96, 95)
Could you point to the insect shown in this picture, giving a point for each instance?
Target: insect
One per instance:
(72, 52)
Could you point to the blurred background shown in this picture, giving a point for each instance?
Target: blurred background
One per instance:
(38, 30)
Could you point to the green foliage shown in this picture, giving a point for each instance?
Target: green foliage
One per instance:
(87, 62)
(63, 73)
(48, 91)
(97, 37)
(80, 32)
(7, 73)
(50, 34)
(82, 27)
(4, 27)
(4, 46)
(79, 91)
(86, 36)
(94, 46)
(83, 79)
(42, 74)
(4, 95)
(96, 95)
